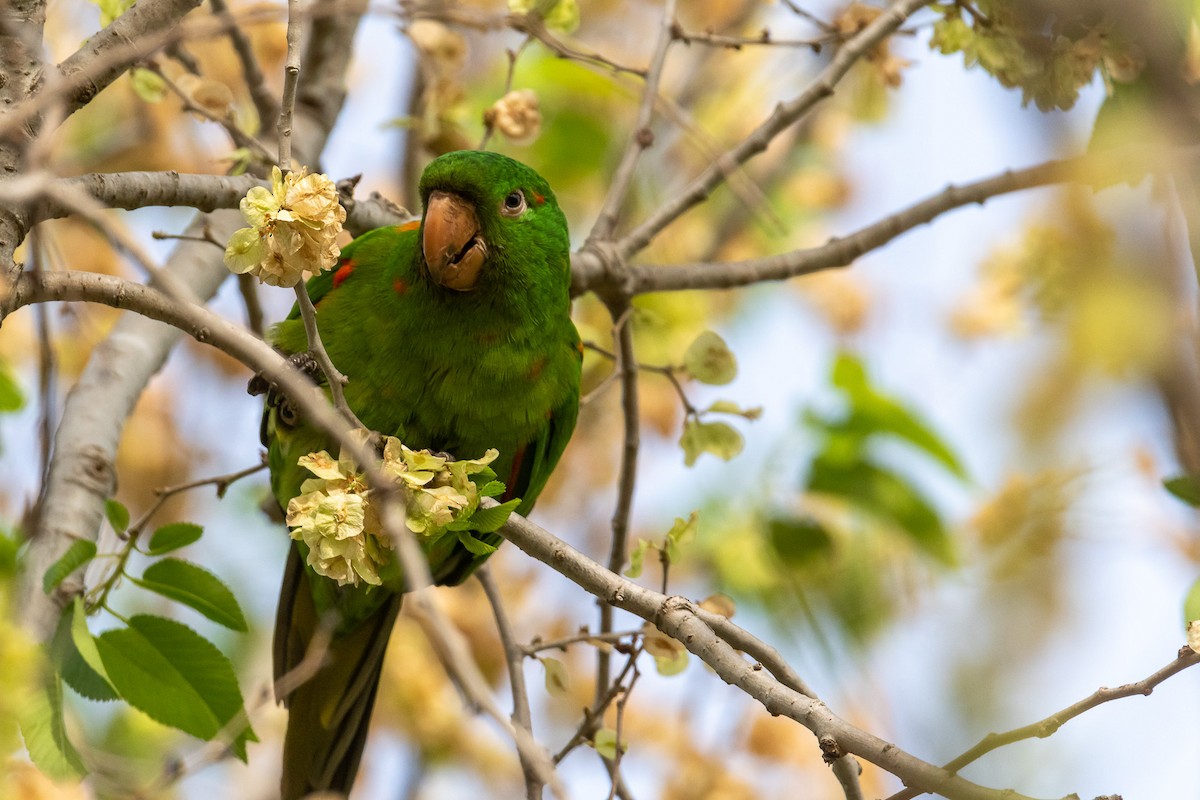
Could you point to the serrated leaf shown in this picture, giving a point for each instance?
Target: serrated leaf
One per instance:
(558, 683)
(117, 514)
(492, 489)
(717, 438)
(41, 721)
(175, 676)
(195, 587)
(79, 553)
(605, 743)
(11, 396)
(147, 84)
(489, 520)
(1184, 487)
(81, 637)
(473, 545)
(709, 360)
(83, 673)
(173, 536)
(637, 559)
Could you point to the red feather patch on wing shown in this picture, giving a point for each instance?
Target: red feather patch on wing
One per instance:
(342, 273)
(510, 485)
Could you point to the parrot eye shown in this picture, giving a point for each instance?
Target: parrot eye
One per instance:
(514, 204)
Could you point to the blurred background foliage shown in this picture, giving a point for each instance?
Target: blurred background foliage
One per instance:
(951, 499)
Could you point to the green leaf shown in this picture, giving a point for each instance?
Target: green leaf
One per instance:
(1185, 487)
(196, 587)
(473, 545)
(74, 653)
(717, 438)
(637, 558)
(798, 540)
(147, 84)
(492, 489)
(1191, 603)
(730, 407)
(79, 553)
(175, 676)
(888, 497)
(489, 520)
(709, 360)
(558, 683)
(45, 735)
(10, 545)
(172, 537)
(873, 412)
(11, 396)
(682, 530)
(605, 742)
(673, 664)
(117, 514)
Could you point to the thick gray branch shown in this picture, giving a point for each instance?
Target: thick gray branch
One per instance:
(107, 54)
(678, 618)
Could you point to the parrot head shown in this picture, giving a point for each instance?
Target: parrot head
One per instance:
(484, 214)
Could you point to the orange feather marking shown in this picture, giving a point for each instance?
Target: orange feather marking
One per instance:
(342, 273)
(400, 287)
(412, 225)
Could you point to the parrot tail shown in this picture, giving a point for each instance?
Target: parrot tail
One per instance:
(330, 709)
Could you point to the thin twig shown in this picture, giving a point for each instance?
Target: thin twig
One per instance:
(248, 288)
(1186, 657)
(515, 656)
(335, 379)
(489, 126)
(785, 115)
(291, 83)
(260, 95)
(593, 715)
(641, 137)
(627, 480)
(538, 646)
(236, 134)
(532, 25)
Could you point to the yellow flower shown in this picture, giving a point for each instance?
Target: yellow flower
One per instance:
(294, 229)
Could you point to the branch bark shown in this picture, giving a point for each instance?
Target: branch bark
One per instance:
(679, 618)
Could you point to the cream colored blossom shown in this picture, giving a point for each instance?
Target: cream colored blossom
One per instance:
(516, 116)
(294, 229)
(336, 520)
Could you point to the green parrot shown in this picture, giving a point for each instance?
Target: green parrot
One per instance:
(456, 336)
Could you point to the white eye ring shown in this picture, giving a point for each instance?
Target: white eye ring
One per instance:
(514, 204)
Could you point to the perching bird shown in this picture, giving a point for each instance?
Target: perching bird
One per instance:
(455, 336)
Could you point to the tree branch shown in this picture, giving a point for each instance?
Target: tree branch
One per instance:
(1128, 164)
(106, 55)
(783, 117)
(1050, 725)
(514, 656)
(679, 618)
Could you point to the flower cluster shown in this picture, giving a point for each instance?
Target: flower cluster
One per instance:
(293, 229)
(334, 517)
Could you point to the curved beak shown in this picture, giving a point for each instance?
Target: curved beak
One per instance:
(450, 241)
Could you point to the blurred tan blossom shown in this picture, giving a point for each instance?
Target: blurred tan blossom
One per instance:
(516, 116)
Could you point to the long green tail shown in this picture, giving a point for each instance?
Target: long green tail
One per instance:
(328, 714)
